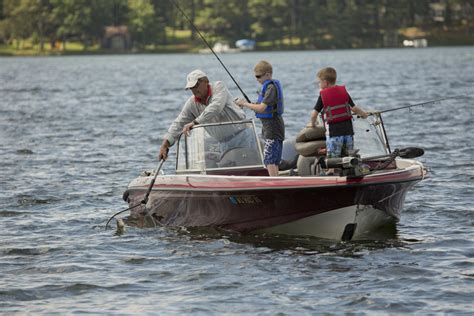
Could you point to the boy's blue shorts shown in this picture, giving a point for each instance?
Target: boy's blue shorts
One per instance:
(272, 151)
(337, 145)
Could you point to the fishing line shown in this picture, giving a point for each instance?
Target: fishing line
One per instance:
(208, 45)
(145, 199)
(418, 104)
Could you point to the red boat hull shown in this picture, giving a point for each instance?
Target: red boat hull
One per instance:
(246, 204)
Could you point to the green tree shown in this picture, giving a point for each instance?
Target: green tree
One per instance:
(164, 16)
(141, 22)
(226, 20)
(27, 19)
(271, 20)
(84, 20)
(2, 16)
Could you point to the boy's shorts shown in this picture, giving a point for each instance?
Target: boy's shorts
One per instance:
(337, 145)
(272, 151)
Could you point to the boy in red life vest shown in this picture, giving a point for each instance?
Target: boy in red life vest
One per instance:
(269, 109)
(336, 105)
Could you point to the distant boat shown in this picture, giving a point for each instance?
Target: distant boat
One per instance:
(245, 44)
(220, 48)
(416, 43)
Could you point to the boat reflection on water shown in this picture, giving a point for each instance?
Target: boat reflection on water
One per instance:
(382, 238)
(379, 239)
(221, 182)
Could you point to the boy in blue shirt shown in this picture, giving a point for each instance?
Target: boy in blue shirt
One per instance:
(269, 109)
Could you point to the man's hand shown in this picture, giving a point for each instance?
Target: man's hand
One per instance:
(188, 128)
(165, 147)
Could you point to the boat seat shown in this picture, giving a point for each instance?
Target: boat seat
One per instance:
(308, 166)
(289, 155)
(311, 133)
(239, 157)
(311, 148)
(211, 159)
(288, 164)
(310, 141)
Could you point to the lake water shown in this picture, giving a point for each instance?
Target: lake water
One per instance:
(75, 130)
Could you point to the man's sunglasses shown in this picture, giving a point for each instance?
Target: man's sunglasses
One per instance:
(259, 76)
(196, 85)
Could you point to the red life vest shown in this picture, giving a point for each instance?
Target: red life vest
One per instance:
(336, 104)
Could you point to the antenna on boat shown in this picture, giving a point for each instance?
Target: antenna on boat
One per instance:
(418, 104)
(208, 45)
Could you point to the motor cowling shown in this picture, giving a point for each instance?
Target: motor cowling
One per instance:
(342, 163)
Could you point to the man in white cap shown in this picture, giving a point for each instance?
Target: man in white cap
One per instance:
(210, 103)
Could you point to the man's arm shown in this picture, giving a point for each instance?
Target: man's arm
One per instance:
(175, 129)
(186, 116)
(163, 154)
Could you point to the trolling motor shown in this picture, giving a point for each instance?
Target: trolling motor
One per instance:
(354, 166)
(343, 162)
(349, 166)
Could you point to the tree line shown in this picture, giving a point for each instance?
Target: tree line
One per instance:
(314, 24)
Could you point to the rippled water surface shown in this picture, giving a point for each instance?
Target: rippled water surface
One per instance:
(75, 130)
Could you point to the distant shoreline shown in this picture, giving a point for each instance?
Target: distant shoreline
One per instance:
(101, 52)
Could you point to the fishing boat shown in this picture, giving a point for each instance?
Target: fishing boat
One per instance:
(227, 187)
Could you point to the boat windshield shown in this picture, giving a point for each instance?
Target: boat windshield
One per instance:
(219, 145)
(369, 136)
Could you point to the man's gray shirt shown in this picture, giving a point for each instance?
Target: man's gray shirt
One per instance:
(221, 108)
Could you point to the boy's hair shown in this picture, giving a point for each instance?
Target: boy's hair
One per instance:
(329, 74)
(263, 66)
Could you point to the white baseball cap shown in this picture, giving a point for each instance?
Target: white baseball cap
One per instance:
(193, 77)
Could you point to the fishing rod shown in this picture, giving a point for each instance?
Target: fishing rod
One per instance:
(418, 104)
(208, 45)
